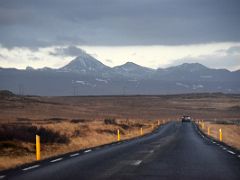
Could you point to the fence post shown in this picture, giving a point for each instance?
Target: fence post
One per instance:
(38, 156)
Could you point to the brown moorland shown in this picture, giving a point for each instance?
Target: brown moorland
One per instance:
(230, 131)
(71, 123)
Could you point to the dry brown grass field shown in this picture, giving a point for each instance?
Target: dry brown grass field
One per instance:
(230, 132)
(71, 123)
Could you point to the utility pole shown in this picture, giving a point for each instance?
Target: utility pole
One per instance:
(21, 89)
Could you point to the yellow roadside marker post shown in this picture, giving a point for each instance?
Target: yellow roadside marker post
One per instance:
(141, 131)
(220, 135)
(158, 122)
(203, 125)
(38, 157)
(118, 135)
(152, 126)
(208, 132)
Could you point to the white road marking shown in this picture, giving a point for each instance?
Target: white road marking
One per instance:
(224, 148)
(239, 156)
(73, 155)
(3, 176)
(56, 160)
(213, 142)
(31, 167)
(152, 151)
(231, 152)
(137, 162)
(89, 150)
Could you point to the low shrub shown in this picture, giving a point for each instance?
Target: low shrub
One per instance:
(28, 133)
(78, 120)
(110, 121)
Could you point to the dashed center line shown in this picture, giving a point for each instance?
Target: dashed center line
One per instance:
(137, 162)
(231, 152)
(239, 156)
(87, 151)
(56, 160)
(152, 151)
(31, 167)
(3, 176)
(145, 152)
(73, 155)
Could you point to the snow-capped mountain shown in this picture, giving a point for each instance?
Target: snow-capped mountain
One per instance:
(85, 75)
(132, 69)
(85, 63)
(188, 67)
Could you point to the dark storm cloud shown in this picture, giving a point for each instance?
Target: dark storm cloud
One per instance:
(68, 51)
(33, 23)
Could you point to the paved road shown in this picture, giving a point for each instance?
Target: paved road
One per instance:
(176, 151)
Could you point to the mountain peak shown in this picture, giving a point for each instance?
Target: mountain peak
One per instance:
(84, 63)
(130, 68)
(192, 67)
(130, 64)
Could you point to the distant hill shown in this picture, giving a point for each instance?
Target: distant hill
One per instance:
(85, 75)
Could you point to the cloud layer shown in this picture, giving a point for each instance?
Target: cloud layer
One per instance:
(34, 24)
(226, 59)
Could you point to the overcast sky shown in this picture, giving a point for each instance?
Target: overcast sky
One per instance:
(153, 33)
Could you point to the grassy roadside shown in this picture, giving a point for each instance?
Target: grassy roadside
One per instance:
(230, 131)
(17, 140)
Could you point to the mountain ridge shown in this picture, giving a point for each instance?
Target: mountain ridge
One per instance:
(85, 75)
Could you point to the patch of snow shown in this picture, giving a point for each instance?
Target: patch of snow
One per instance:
(181, 84)
(206, 76)
(101, 80)
(80, 82)
(197, 86)
(84, 83)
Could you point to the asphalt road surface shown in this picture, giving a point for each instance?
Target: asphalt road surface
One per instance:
(175, 151)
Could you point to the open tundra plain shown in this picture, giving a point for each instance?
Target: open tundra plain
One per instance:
(68, 124)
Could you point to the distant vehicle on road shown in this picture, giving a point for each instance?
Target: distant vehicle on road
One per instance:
(186, 118)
